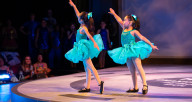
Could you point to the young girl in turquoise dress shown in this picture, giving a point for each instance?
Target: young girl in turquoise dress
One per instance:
(132, 52)
(84, 50)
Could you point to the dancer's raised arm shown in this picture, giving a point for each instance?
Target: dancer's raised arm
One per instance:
(75, 8)
(119, 20)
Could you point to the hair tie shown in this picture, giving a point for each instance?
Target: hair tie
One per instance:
(134, 16)
(89, 15)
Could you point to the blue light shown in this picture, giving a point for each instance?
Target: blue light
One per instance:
(4, 76)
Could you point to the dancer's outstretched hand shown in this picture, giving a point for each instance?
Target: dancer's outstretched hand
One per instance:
(111, 11)
(71, 3)
(154, 47)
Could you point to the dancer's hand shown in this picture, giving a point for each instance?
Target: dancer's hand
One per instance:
(111, 11)
(96, 46)
(154, 47)
(71, 3)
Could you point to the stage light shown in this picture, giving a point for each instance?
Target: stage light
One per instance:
(4, 76)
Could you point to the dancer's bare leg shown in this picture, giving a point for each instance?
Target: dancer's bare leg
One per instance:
(138, 65)
(132, 69)
(91, 67)
(88, 75)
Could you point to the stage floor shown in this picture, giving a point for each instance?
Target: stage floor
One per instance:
(166, 84)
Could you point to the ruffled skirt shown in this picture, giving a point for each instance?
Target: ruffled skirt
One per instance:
(85, 49)
(139, 49)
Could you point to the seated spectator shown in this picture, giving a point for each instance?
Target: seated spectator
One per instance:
(26, 71)
(10, 72)
(40, 68)
(12, 59)
(2, 66)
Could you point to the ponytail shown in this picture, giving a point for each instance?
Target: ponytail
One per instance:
(135, 20)
(89, 21)
(91, 26)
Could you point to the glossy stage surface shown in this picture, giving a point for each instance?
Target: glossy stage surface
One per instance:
(166, 84)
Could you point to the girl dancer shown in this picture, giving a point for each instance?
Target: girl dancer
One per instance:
(132, 52)
(84, 50)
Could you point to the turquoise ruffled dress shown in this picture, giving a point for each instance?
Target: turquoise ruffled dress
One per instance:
(129, 49)
(84, 48)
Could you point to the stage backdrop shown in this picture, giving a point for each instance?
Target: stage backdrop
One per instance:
(166, 23)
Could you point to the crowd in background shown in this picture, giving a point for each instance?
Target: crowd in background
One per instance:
(40, 46)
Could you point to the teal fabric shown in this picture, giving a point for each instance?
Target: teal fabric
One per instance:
(83, 48)
(129, 49)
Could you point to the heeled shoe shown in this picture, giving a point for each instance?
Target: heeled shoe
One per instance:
(84, 90)
(132, 90)
(145, 91)
(101, 87)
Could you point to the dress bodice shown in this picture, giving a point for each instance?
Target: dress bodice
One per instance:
(80, 36)
(127, 38)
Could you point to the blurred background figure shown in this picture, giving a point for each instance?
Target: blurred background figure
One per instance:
(55, 52)
(4, 69)
(71, 35)
(3, 66)
(104, 32)
(9, 34)
(42, 39)
(29, 29)
(51, 21)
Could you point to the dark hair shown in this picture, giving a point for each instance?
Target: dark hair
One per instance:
(88, 22)
(136, 22)
(1, 57)
(24, 62)
(40, 54)
(103, 22)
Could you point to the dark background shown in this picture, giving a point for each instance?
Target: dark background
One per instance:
(19, 10)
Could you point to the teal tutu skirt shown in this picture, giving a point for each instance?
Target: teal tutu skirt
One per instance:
(85, 49)
(138, 49)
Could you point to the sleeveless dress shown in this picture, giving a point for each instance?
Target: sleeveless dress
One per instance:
(103, 33)
(130, 49)
(84, 48)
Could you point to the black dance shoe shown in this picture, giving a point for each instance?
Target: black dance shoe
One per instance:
(145, 91)
(132, 90)
(101, 87)
(84, 90)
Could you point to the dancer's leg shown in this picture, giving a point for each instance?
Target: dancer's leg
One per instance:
(88, 75)
(90, 66)
(132, 69)
(138, 65)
